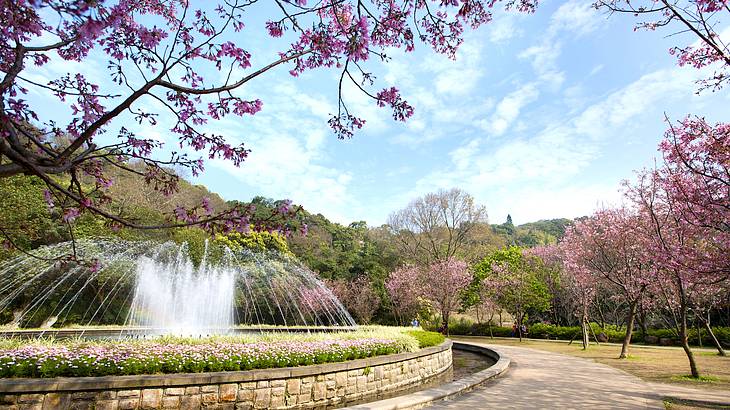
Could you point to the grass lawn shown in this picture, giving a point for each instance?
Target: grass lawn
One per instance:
(665, 365)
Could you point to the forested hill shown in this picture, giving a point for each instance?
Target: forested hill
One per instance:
(332, 249)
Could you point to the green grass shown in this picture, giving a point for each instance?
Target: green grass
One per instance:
(676, 404)
(708, 353)
(701, 379)
(425, 338)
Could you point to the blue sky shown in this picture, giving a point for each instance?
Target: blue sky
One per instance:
(540, 116)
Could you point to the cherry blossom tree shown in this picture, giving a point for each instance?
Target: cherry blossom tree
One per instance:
(685, 204)
(358, 297)
(404, 289)
(610, 246)
(698, 18)
(157, 53)
(442, 284)
(575, 278)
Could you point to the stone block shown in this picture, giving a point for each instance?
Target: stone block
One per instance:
(221, 406)
(341, 379)
(293, 386)
(304, 398)
(209, 388)
(379, 373)
(56, 401)
(128, 404)
(228, 392)
(8, 398)
(29, 406)
(127, 393)
(320, 391)
(209, 398)
(277, 391)
(174, 391)
(106, 395)
(106, 405)
(278, 383)
(192, 390)
(244, 406)
(291, 400)
(82, 405)
(83, 395)
(277, 402)
(262, 384)
(245, 394)
(171, 402)
(247, 385)
(151, 398)
(261, 398)
(30, 398)
(192, 402)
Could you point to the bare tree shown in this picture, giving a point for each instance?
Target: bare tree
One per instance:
(436, 226)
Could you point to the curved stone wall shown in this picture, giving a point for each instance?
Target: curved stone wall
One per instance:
(284, 388)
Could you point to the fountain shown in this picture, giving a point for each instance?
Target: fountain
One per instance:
(151, 289)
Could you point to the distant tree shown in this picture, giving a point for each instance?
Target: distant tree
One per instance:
(516, 281)
(509, 220)
(610, 246)
(442, 284)
(579, 284)
(358, 297)
(254, 241)
(404, 290)
(436, 227)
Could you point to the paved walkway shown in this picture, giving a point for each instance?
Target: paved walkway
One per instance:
(544, 380)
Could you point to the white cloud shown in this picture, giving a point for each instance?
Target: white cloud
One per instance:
(537, 177)
(503, 29)
(576, 17)
(509, 108)
(284, 166)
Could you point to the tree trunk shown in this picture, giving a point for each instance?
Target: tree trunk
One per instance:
(629, 330)
(685, 345)
(489, 325)
(519, 326)
(445, 323)
(717, 343)
(699, 333)
(584, 328)
(642, 324)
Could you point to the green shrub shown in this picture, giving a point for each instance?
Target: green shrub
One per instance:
(615, 334)
(425, 338)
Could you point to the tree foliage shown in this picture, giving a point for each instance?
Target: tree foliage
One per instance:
(516, 281)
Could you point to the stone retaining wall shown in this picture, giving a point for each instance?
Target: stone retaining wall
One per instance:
(292, 387)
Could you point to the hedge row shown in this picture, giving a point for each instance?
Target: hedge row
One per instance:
(547, 331)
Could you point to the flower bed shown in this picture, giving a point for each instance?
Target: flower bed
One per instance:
(128, 358)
